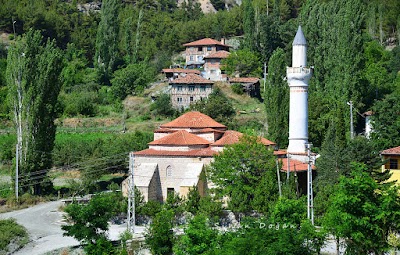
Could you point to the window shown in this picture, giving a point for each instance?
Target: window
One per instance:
(170, 192)
(202, 88)
(191, 58)
(393, 164)
(199, 48)
(179, 99)
(191, 99)
(209, 48)
(168, 171)
(179, 88)
(191, 88)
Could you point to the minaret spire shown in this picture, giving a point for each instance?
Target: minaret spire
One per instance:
(298, 76)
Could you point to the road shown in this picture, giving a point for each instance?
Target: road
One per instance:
(43, 223)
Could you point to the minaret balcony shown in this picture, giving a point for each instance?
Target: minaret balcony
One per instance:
(299, 73)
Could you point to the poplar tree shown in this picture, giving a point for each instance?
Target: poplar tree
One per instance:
(106, 40)
(277, 99)
(32, 75)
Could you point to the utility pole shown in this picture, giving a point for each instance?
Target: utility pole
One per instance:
(16, 170)
(350, 103)
(279, 178)
(310, 202)
(131, 195)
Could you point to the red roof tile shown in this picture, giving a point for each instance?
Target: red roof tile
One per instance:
(243, 80)
(205, 41)
(181, 137)
(231, 137)
(280, 153)
(180, 70)
(207, 152)
(193, 120)
(191, 79)
(218, 54)
(295, 165)
(207, 130)
(392, 151)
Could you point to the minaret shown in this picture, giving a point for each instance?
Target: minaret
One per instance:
(298, 76)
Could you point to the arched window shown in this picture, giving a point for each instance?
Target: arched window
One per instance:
(169, 171)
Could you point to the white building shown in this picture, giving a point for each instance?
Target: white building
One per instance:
(298, 76)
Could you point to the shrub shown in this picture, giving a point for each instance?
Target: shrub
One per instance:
(163, 106)
(237, 88)
(11, 232)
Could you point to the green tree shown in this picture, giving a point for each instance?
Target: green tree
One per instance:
(245, 172)
(192, 203)
(132, 79)
(198, 238)
(243, 62)
(160, 236)
(335, 47)
(163, 106)
(363, 212)
(106, 40)
(386, 121)
(276, 99)
(33, 72)
(217, 106)
(89, 223)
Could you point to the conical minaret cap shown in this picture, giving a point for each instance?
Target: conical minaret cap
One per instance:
(299, 39)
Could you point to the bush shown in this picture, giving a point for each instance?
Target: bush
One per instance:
(163, 106)
(83, 103)
(151, 208)
(11, 232)
(237, 88)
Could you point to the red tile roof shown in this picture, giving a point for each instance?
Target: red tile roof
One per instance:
(181, 137)
(231, 137)
(392, 151)
(207, 130)
(218, 54)
(193, 120)
(180, 70)
(280, 153)
(207, 152)
(243, 80)
(191, 79)
(205, 41)
(295, 165)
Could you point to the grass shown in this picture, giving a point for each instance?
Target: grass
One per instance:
(11, 232)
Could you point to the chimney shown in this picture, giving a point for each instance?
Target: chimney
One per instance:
(223, 40)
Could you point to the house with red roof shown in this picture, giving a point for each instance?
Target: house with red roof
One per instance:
(175, 159)
(173, 73)
(197, 50)
(391, 157)
(212, 66)
(189, 88)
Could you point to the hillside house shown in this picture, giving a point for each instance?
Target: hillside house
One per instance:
(391, 157)
(175, 159)
(188, 89)
(197, 50)
(212, 66)
(251, 85)
(173, 73)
